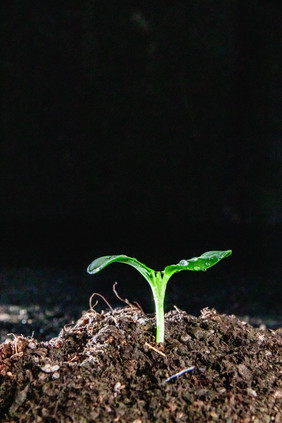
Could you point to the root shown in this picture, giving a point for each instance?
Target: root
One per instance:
(132, 306)
(100, 295)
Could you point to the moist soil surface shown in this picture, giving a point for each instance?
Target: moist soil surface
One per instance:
(106, 367)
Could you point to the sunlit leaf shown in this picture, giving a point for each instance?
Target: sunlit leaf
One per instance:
(203, 262)
(102, 262)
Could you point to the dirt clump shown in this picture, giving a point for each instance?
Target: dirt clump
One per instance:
(107, 368)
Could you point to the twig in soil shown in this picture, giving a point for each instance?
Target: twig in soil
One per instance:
(139, 306)
(121, 299)
(180, 373)
(100, 295)
(92, 308)
(155, 349)
(126, 300)
(15, 342)
(177, 309)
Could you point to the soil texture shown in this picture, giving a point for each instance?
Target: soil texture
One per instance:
(107, 368)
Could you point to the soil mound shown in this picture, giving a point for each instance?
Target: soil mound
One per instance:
(107, 368)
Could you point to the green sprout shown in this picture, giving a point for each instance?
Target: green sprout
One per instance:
(158, 279)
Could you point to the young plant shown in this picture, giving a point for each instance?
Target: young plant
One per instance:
(158, 279)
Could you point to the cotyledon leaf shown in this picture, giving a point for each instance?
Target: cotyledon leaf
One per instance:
(102, 262)
(203, 262)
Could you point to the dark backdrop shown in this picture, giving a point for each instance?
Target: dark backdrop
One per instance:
(146, 128)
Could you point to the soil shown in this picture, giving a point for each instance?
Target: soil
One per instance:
(106, 367)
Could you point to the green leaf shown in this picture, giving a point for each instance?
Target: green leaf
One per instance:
(102, 262)
(204, 262)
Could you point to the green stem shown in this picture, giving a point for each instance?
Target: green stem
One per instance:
(158, 288)
(159, 303)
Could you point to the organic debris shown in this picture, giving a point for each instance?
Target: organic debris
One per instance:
(104, 369)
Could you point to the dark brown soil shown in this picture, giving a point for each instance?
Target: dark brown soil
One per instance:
(104, 369)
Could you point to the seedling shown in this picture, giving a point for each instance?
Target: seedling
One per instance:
(158, 279)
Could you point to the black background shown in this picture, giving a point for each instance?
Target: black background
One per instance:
(145, 128)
